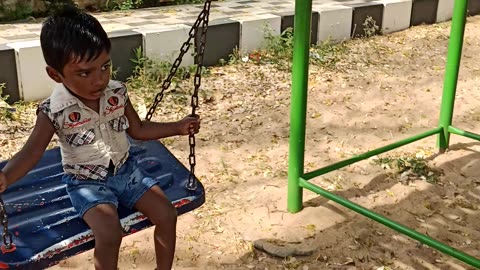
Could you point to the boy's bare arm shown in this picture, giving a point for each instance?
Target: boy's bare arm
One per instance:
(146, 130)
(22, 162)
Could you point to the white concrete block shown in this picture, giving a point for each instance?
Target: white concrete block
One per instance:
(335, 22)
(396, 15)
(163, 43)
(252, 30)
(33, 81)
(445, 10)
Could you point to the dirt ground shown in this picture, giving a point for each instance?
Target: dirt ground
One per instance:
(384, 89)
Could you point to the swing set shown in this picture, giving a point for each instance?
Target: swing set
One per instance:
(299, 180)
(40, 226)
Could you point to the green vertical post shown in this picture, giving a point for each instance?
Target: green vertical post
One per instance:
(451, 72)
(298, 109)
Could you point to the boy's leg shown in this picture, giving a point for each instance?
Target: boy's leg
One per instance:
(160, 211)
(104, 222)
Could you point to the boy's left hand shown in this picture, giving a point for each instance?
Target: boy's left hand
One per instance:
(188, 124)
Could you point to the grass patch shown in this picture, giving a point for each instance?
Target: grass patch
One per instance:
(278, 50)
(147, 81)
(409, 168)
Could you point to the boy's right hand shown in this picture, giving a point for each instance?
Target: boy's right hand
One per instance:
(3, 182)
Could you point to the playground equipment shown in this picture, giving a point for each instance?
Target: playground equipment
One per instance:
(299, 180)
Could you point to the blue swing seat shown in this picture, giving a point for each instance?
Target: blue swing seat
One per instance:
(45, 227)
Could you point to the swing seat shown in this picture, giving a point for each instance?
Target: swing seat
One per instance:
(45, 227)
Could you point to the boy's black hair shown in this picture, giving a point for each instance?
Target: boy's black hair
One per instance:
(72, 34)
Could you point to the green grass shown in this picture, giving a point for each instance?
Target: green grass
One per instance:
(411, 167)
(149, 75)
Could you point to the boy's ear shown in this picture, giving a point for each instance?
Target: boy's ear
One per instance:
(52, 73)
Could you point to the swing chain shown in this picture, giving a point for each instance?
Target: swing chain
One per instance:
(176, 64)
(203, 18)
(192, 184)
(7, 236)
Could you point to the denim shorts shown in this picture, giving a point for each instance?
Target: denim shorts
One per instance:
(126, 187)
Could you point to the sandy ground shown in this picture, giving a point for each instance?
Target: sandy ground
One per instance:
(384, 89)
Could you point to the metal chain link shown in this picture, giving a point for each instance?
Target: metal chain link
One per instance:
(203, 18)
(192, 184)
(6, 235)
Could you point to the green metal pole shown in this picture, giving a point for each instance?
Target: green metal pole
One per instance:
(451, 72)
(344, 163)
(298, 110)
(393, 225)
(464, 133)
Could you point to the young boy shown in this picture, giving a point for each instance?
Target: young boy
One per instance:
(92, 116)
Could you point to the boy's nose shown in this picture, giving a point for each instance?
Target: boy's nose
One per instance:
(99, 81)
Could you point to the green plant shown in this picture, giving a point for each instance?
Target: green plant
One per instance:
(124, 4)
(135, 4)
(328, 54)
(410, 167)
(23, 9)
(370, 27)
(235, 57)
(149, 75)
(279, 51)
(113, 72)
(181, 2)
(139, 60)
(279, 46)
(19, 11)
(6, 113)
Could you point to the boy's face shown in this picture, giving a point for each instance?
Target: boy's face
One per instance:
(87, 80)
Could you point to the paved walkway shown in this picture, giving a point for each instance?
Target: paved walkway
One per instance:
(152, 17)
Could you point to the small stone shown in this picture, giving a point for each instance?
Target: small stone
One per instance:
(281, 248)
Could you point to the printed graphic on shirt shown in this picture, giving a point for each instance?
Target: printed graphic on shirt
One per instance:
(74, 116)
(113, 101)
(113, 105)
(75, 120)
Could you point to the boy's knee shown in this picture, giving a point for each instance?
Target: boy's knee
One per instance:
(167, 214)
(104, 222)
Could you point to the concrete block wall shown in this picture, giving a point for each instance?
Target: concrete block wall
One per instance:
(396, 15)
(361, 13)
(334, 23)
(124, 44)
(23, 67)
(9, 76)
(226, 31)
(445, 10)
(252, 28)
(288, 22)
(155, 47)
(34, 83)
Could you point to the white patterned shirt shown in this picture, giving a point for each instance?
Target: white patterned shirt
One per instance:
(90, 141)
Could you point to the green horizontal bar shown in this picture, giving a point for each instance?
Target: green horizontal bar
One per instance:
(344, 163)
(464, 133)
(393, 225)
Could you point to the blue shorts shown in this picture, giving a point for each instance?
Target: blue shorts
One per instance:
(126, 188)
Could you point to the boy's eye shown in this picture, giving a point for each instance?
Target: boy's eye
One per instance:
(106, 67)
(83, 74)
